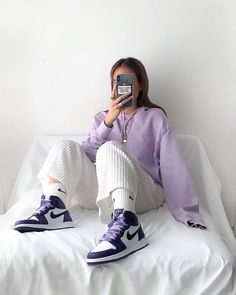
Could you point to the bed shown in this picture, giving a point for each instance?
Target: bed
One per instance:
(178, 260)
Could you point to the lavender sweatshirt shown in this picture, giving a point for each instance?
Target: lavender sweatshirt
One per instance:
(151, 142)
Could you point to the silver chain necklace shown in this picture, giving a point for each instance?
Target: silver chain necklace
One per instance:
(126, 127)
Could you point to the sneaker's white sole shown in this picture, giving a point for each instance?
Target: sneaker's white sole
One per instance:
(38, 227)
(138, 246)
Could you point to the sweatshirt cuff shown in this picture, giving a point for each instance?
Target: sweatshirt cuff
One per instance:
(196, 223)
(103, 130)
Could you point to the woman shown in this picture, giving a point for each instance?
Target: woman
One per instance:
(128, 164)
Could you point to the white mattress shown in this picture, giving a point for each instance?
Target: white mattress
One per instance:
(178, 260)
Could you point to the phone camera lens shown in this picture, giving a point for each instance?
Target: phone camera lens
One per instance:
(118, 78)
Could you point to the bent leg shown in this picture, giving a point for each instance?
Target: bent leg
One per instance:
(118, 176)
(68, 164)
(66, 169)
(118, 172)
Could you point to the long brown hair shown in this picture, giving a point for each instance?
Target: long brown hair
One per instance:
(138, 68)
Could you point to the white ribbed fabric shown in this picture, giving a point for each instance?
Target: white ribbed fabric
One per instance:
(115, 169)
(68, 163)
(90, 185)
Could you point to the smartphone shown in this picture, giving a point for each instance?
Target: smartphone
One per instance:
(124, 84)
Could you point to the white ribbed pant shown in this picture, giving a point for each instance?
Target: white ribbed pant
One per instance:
(90, 185)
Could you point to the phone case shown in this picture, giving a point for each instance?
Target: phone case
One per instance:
(124, 84)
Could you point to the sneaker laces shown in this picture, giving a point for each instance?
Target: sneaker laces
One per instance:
(116, 228)
(45, 206)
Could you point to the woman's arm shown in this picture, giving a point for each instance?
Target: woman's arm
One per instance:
(96, 137)
(181, 196)
(103, 124)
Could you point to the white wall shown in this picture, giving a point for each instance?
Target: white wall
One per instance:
(55, 58)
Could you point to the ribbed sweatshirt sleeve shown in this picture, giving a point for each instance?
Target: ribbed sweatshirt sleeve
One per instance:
(96, 137)
(181, 196)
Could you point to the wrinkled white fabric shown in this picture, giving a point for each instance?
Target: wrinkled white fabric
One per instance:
(178, 260)
(205, 179)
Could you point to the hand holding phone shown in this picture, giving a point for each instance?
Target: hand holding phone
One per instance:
(124, 85)
(116, 106)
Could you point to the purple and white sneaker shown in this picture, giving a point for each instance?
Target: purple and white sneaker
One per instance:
(52, 214)
(123, 237)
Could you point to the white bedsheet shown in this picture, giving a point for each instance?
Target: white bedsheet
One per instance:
(178, 260)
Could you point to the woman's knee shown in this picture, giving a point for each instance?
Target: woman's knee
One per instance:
(67, 146)
(107, 147)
